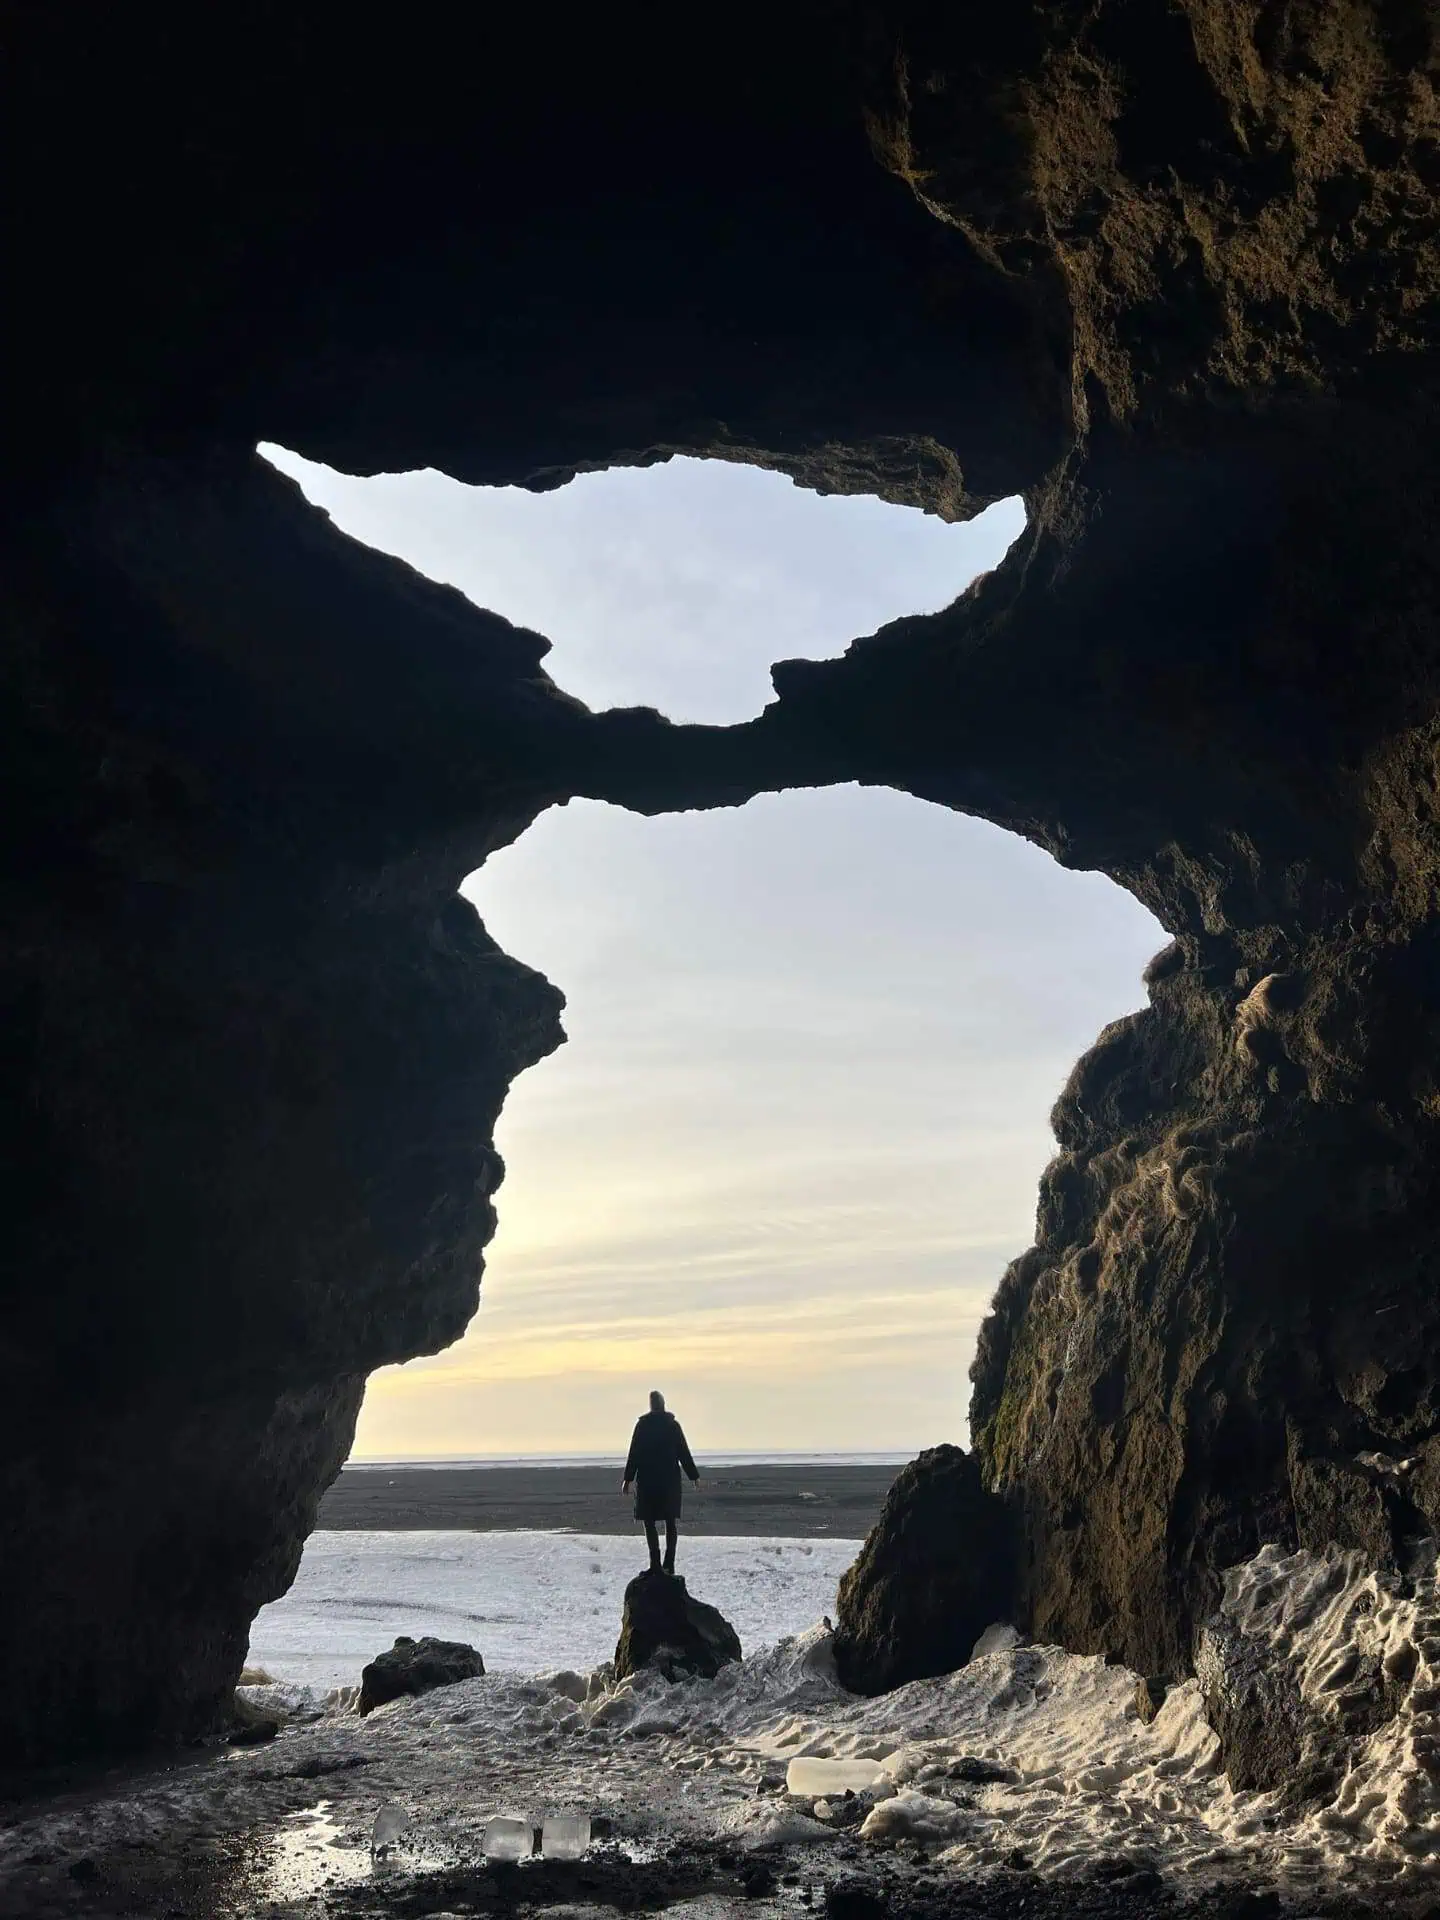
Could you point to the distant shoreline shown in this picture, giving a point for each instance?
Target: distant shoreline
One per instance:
(716, 1457)
(775, 1499)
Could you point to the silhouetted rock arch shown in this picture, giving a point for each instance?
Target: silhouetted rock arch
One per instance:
(257, 1044)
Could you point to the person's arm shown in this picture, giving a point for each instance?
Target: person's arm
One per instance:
(683, 1450)
(630, 1460)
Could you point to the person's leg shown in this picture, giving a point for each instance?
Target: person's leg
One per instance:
(652, 1540)
(670, 1533)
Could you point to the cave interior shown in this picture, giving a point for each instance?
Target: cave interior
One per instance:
(1168, 273)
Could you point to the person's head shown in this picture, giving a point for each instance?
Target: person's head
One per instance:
(657, 1402)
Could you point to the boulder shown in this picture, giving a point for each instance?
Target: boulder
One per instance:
(251, 1726)
(415, 1667)
(936, 1571)
(664, 1628)
(1295, 1669)
(1252, 1700)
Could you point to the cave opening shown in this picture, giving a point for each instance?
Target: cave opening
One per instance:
(797, 1131)
(260, 1043)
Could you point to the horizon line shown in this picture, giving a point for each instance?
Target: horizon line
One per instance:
(606, 1454)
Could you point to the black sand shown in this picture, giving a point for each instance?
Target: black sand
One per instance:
(774, 1499)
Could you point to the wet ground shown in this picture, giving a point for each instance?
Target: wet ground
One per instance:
(299, 1869)
(687, 1791)
(790, 1500)
(261, 1876)
(315, 1863)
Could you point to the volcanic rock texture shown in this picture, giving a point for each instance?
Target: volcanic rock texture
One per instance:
(412, 1667)
(935, 1572)
(665, 1627)
(1168, 270)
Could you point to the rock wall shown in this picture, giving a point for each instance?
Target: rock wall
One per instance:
(1212, 674)
(1168, 272)
(258, 1045)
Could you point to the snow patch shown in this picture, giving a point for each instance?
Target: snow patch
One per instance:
(530, 1601)
(287, 1701)
(770, 1823)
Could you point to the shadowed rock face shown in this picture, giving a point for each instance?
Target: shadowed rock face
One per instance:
(1169, 273)
(933, 1575)
(663, 1627)
(412, 1667)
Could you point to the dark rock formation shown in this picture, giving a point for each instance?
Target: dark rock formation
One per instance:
(257, 1048)
(1171, 272)
(413, 1667)
(1253, 1703)
(936, 1570)
(1225, 623)
(1150, 1697)
(663, 1628)
(1251, 1661)
(854, 1899)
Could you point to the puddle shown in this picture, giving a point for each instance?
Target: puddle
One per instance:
(310, 1852)
(313, 1851)
(324, 1849)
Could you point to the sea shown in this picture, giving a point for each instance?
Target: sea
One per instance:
(531, 1600)
(770, 1459)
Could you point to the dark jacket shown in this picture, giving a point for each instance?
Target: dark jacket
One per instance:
(657, 1453)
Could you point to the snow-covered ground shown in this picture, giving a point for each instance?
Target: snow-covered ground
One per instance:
(527, 1600)
(1028, 1760)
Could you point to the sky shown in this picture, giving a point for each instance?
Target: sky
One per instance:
(795, 1134)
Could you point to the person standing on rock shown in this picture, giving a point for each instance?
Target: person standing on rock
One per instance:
(657, 1453)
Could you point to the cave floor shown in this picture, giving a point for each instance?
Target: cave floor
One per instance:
(690, 1810)
(246, 1875)
(1024, 1784)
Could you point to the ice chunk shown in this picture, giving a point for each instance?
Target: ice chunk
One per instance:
(508, 1837)
(392, 1823)
(565, 1836)
(915, 1816)
(807, 1774)
(770, 1823)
